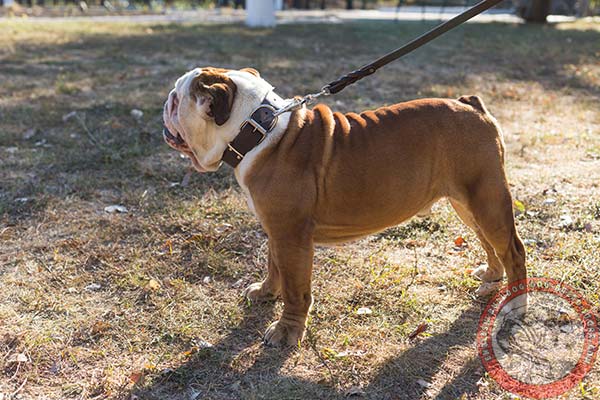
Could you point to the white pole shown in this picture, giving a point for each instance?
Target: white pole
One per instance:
(260, 13)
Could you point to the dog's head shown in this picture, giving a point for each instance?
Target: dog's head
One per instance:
(205, 110)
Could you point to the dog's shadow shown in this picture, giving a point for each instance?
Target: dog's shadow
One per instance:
(239, 366)
(440, 357)
(221, 370)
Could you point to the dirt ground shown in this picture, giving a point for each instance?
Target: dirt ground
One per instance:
(146, 304)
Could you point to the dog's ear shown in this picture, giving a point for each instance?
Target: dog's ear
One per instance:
(220, 91)
(251, 71)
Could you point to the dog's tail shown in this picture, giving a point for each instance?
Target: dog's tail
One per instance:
(475, 102)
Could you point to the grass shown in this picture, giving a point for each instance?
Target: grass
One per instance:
(147, 304)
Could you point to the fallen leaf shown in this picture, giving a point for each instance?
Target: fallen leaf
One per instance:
(423, 383)
(364, 311)
(137, 377)
(350, 353)
(201, 344)
(519, 206)
(18, 358)
(414, 243)
(329, 353)
(137, 114)
(149, 367)
(189, 352)
(116, 208)
(420, 329)
(460, 242)
(152, 284)
(93, 287)
(565, 221)
(100, 327)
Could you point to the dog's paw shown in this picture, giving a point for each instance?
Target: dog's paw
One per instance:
(282, 334)
(257, 292)
(486, 274)
(487, 288)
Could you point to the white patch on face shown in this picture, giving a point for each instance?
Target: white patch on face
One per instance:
(206, 139)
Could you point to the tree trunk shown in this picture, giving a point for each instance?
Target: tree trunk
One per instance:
(584, 9)
(537, 11)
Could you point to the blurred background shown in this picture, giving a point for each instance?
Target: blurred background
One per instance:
(530, 10)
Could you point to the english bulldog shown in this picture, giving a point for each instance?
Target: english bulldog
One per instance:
(314, 176)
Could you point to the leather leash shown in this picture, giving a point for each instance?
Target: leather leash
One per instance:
(339, 84)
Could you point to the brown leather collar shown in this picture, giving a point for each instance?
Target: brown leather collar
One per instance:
(253, 130)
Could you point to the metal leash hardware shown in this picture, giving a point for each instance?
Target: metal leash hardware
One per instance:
(298, 102)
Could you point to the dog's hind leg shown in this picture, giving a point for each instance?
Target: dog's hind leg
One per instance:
(490, 204)
(491, 273)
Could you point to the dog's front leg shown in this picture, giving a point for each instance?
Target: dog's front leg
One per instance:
(293, 257)
(268, 289)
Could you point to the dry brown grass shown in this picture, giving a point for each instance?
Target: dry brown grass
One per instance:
(170, 272)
